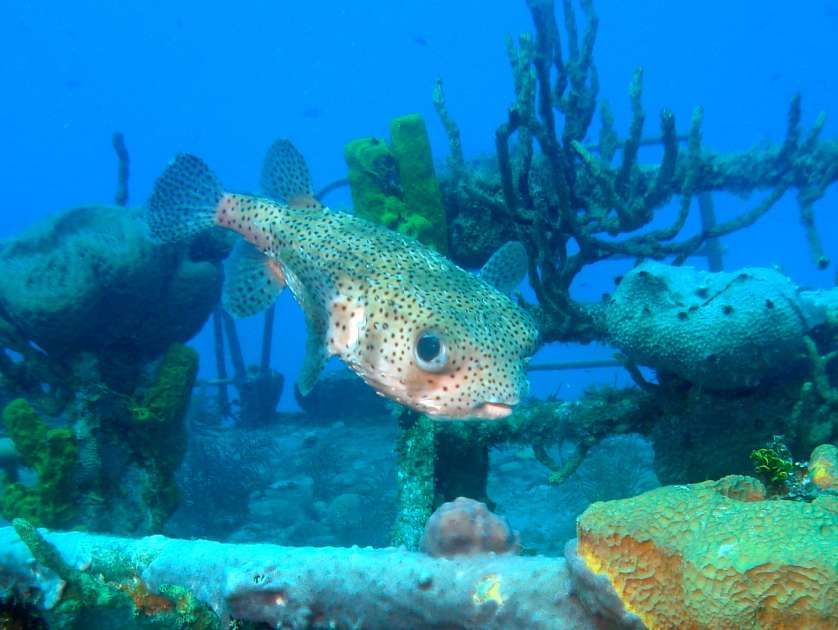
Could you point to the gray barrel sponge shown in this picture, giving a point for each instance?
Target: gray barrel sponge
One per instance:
(718, 330)
(91, 279)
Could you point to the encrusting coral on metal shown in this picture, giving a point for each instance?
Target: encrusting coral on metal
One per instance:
(572, 195)
(574, 203)
(717, 554)
(199, 583)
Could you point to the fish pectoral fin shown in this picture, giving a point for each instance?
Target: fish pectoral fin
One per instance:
(286, 178)
(316, 357)
(252, 281)
(506, 268)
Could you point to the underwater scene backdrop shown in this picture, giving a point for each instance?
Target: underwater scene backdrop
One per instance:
(419, 315)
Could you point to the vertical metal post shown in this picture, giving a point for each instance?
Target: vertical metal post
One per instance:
(267, 340)
(713, 248)
(220, 361)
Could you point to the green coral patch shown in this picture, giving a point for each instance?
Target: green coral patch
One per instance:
(162, 437)
(166, 401)
(374, 180)
(53, 454)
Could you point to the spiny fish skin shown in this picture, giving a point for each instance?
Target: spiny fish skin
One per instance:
(412, 324)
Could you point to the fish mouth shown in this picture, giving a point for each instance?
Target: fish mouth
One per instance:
(491, 410)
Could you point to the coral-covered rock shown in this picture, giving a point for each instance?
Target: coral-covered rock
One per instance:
(718, 330)
(716, 555)
(465, 527)
(91, 279)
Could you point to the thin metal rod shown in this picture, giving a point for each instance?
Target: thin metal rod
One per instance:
(574, 365)
(235, 347)
(220, 362)
(338, 183)
(124, 159)
(267, 339)
(713, 248)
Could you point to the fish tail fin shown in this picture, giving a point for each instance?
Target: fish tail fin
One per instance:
(185, 199)
(286, 178)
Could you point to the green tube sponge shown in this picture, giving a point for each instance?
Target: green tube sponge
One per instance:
(166, 401)
(426, 219)
(160, 428)
(374, 180)
(27, 430)
(395, 185)
(53, 454)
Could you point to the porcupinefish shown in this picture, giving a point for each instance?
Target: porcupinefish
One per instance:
(417, 328)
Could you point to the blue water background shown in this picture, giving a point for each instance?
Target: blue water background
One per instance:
(223, 80)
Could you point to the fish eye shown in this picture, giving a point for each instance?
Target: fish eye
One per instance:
(430, 351)
(428, 347)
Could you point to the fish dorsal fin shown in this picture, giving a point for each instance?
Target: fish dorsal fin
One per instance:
(506, 268)
(252, 281)
(286, 178)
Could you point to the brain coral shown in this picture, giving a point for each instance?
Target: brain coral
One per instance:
(467, 527)
(720, 330)
(717, 555)
(91, 279)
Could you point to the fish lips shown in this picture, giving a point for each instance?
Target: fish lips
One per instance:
(491, 411)
(481, 411)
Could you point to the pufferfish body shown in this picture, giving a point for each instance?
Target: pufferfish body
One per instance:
(416, 327)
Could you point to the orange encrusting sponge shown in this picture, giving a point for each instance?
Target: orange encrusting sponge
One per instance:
(717, 555)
